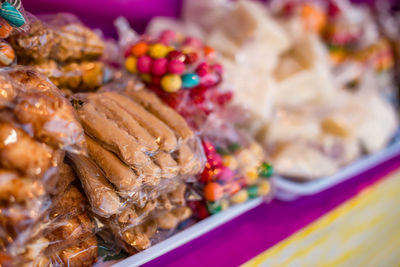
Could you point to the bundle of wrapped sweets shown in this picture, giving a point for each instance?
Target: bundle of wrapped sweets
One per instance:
(37, 127)
(139, 158)
(185, 74)
(65, 50)
(316, 79)
(122, 160)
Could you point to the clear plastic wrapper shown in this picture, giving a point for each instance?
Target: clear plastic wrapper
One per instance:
(137, 228)
(317, 103)
(37, 126)
(136, 150)
(140, 154)
(12, 21)
(66, 235)
(186, 74)
(66, 51)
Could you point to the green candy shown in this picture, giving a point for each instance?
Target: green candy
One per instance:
(11, 15)
(265, 170)
(214, 207)
(222, 151)
(252, 191)
(233, 147)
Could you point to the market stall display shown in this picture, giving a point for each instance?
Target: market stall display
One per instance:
(110, 147)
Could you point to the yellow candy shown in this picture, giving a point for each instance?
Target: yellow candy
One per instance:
(130, 64)
(264, 188)
(171, 83)
(158, 51)
(251, 177)
(187, 49)
(230, 162)
(146, 77)
(239, 197)
(224, 204)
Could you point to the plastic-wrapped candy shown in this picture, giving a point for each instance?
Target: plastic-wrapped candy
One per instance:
(185, 73)
(65, 50)
(67, 237)
(12, 20)
(37, 126)
(140, 154)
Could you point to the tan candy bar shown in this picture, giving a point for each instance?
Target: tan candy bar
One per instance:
(122, 118)
(177, 197)
(83, 254)
(169, 167)
(187, 160)
(153, 104)
(102, 197)
(115, 139)
(119, 174)
(164, 136)
(167, 221)
(136, 238)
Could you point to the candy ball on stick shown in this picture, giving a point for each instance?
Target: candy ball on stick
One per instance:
(178, 64)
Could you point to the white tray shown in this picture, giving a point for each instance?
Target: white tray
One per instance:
(188, 234)
(288, 190)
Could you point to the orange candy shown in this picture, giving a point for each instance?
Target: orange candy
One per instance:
(5, 29)
(213, 191)
(139, 49)
(313, 17)
(7, 54)
(208, 51)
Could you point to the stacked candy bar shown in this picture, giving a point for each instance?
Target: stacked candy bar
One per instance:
(141, 152)
(63, 49)
(37, 126)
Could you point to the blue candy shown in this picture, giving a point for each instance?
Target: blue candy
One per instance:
(190, 80)
(11, 15)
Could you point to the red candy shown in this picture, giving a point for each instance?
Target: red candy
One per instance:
(202, 69)
(159, 66)
(191, 57)
(144, 64)
(167, 36)
(176, 55)
(218, 68)
(193, 42)
(225, 174)
(176, 66)
(155, 80)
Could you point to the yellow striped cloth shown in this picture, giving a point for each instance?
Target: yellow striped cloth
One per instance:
(363, 231)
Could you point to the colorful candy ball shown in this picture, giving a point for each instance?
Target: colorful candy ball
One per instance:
(158, 50)
(159, 66)
(176, 66)
(190, 80)
(7, 54)
(131, 64)
(266, 170)
(202, 69)
(144, 64)
(191, 57)
(167, 36)
(264, 187)
(171, 83)
(176, 55)
(213, 191)
(239, 197)
(5, 29)
(139, 49)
